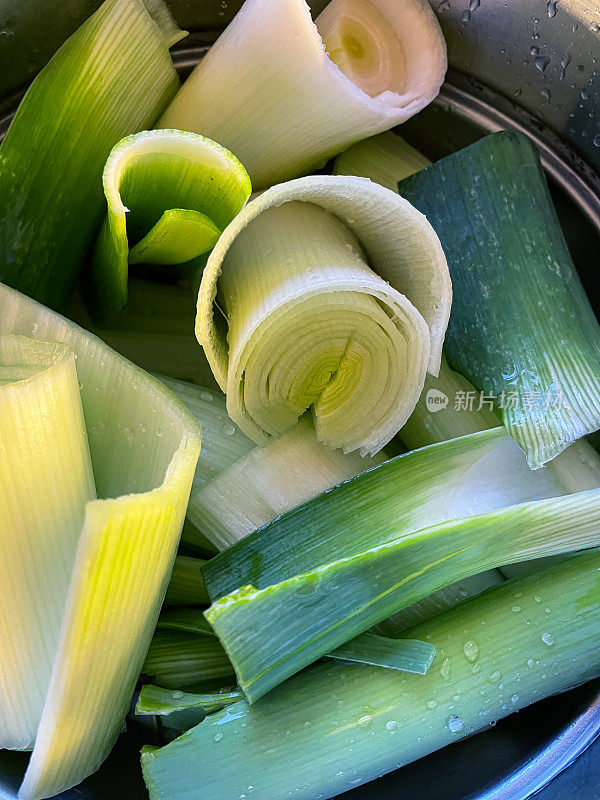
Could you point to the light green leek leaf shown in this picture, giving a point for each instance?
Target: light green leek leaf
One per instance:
(407, 655)
(186, 587)
(180, 660)
(143, 447)
(522, 328)
(385, 159)
(293, 278)
(45, 482)
(189, 620)
(155, 330)
(366, 721)
(288, 95)
(155, 184)
(353, 556)
(181, 710)
(113, 76)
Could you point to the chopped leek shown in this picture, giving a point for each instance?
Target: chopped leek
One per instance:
(491, 662)
(385, 159)
(346, 560)
(181, 710)
(170, 194)
(112, 77)
(179, 660)
(299, 296)
(186, 587)
(188, 620)
(45, 482)
(272, 95)
(143, 446)
(408, 655)
(539, 353)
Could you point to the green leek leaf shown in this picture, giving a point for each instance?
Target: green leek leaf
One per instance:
(189, 620)
(407, 655)
(180, 660)
(181, 710)
(112, 77)
(186, 587)
(385, 159)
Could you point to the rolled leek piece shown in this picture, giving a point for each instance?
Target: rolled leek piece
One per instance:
(336, 296)
(343, 562)
(492, 660)
(112, 77)
(286, 94)
(45, 482)
(522, 329)
(143, 446)
(170, 194)
(385, 159)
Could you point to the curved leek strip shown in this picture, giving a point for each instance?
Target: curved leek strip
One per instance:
(311, 324)
(143, 446)
(177, 660)
(367, 721)
(522, 328)
(45, 482)
(272, 95)
(186, 587)
(269, 481)
(385, 159)
(189, 620)
(112, 77)
(170, 194)
(181, 710)
(407, 655)
(332, 568)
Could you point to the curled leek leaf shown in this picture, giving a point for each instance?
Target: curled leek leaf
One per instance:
(407, 655)
(287, 95)
(143, 446)
(112, 77)
(310, 324)
(181, 710)
(170, 194)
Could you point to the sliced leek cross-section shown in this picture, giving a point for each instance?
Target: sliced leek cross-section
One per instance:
(93, 581)
(285, 94)
(170, 194)
(336, 296)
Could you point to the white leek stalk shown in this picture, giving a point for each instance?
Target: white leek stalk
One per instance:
(144, 446)
(310, 324)
(285, 94)
(45, 481)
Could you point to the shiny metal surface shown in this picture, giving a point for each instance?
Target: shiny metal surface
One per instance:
(522, 753)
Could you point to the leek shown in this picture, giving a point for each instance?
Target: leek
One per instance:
(188, 620)
(186, 587)
(169, 195)
(143, 447)
(492, 661)
(112, 77)
(407, 655)
(538, 353)
(310, 324)
(177, 660)
(45, 482)
(385, 159)
(348, 559)
(272, 95)
(181, 710)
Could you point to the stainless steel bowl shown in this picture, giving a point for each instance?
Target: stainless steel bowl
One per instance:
(520, 64)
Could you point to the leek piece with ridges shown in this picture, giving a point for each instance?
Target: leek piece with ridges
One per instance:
(181, 710)
(385, 159)
(143, 446)
(188, 620)
(298, 293)
(186, 587)
(273, 95)
(407, 655)
(112, 77)
(45, 482)
(369, 721)
(170, 194)
(321, 591)
(180, 660)
(539, 351)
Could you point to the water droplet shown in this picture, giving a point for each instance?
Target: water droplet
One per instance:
(432, 704)
(585, 93)
(551, 8)
(548, 638)
(541, 62)
(514, 698)
(159, 431)
(207, 397)
(516, 609)
(391, 725)
(535, 51)
(467, 16)
(471, 650)
(142, 427)
(228, 429)
(445, 669)
(564, 63)
(596, 140)
(494, 677)
(546, 94)
(463, 592)
(548, 610)
(455, 724)
(177, 695)
(530, 662)
(538, 599)
(474, 5)
(217, 737)
(34, 327)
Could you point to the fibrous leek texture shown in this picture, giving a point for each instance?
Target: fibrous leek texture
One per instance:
(330, 569)
(522, 329)
(365, 721)
(143, 446)
(385, 159)
(336, 296)
(285, 94)
(170, 194)
(112, 77)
